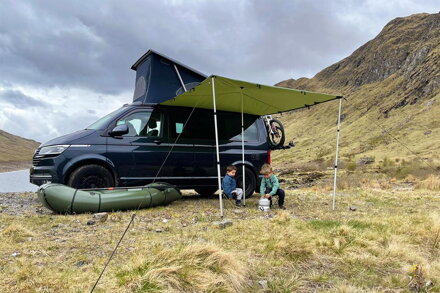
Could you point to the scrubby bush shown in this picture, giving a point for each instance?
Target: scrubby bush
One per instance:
(416, 168)
(351, 166)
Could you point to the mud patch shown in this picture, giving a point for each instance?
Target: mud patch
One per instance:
(300, 180)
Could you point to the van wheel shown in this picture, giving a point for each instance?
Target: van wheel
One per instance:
(91, 176)
(251, 180)
(206, 190)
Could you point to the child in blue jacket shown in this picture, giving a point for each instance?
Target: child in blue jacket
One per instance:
(229, 185)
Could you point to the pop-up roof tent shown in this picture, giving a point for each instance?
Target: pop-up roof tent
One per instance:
(162, 80)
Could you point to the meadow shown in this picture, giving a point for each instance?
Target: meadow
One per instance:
(380, 238)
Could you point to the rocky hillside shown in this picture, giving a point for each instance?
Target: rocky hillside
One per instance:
(392, 86)
(15, 148)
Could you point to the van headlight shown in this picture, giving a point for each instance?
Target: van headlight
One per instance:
(53, 149)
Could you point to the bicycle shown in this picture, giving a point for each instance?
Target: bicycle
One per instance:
(275, 130)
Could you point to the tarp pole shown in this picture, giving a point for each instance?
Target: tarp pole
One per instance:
(217, 149)
(337, 152)
(242, 149)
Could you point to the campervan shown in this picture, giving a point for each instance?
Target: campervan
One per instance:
(146, 142)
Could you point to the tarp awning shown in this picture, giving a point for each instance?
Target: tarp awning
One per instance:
(257, 99)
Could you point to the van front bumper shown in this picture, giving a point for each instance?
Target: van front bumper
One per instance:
(40, 179)
(45, 170)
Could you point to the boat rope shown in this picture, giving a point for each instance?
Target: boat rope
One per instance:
(114, 250)
(151, 198)
(73, 200)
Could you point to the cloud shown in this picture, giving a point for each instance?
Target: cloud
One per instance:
(66, 111)
(75, 58)
(19, 100)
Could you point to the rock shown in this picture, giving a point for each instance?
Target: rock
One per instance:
(429, 283)
(427, 132)
(100, 217)
(165, 221)
(237, 211)
(80, 263)
(263, 284)
(366, 161)
(223, 224)
(158, 230)
(91, 222)
(14, 254)
(430, 103)
(353, 208)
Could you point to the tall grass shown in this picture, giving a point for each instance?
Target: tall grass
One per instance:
(430, 183)
(193, 268)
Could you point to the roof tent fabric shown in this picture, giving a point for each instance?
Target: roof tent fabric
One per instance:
(157, 78)
(257, 99)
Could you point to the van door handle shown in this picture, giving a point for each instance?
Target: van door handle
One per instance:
(156, 141)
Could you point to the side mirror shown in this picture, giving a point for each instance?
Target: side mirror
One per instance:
(119, 130)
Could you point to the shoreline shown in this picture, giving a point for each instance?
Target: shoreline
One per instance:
(14, 166)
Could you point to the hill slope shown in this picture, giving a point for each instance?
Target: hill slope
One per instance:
(15, 150)
(392, 85)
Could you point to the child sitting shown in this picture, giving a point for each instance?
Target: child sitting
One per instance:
(270, 186)
(229, 185)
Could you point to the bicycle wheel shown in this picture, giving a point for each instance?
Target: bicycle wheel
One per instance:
(276, 133)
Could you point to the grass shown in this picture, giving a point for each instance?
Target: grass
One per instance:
(308, 248)
(431, 183)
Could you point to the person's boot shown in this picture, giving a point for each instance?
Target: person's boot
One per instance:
(238, 203)
(281, 207)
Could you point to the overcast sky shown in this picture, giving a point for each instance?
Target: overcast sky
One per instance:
(64, 64)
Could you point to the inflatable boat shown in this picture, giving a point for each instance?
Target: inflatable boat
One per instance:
(64, 199)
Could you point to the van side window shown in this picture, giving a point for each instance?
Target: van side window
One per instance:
(146, 124)
(200, 125)
(250, 134)
(229, 126)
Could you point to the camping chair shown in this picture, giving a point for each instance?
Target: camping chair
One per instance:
(230, 200)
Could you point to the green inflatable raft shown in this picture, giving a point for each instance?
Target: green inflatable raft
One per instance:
(64, 199)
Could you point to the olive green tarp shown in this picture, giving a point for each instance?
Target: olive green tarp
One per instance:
(225, 94)
(257, 99)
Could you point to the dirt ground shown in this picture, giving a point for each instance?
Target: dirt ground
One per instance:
(21, 203)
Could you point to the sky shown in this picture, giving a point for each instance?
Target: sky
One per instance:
(64, 64)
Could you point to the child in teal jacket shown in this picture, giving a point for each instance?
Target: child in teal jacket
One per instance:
(270, 186)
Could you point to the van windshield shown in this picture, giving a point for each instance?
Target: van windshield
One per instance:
(104, 121)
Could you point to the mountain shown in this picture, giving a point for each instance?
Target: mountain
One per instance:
(16, 152)
(392, 107)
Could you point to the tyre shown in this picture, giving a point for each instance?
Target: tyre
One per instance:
(276, 136)
(91, 176)
(251, 180)
(206, 190)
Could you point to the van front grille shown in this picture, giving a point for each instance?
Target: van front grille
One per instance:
(36, 159)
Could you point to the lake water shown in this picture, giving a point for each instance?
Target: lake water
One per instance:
(16, 181)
